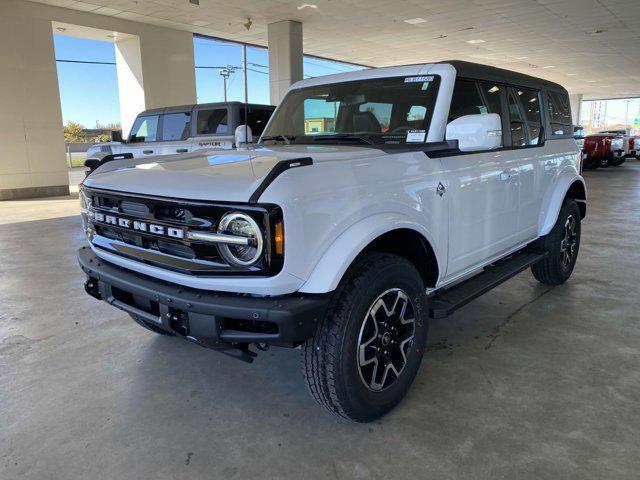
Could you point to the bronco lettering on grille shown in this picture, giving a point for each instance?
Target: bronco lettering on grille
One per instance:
(139, 226)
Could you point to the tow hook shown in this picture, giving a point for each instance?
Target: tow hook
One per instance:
(92, 288)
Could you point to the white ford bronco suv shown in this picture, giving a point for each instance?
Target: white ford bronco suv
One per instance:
(185, 128)
(374, 201)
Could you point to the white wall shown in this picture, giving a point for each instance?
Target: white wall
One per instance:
(130, 81)
(576, 107)
(31, 141)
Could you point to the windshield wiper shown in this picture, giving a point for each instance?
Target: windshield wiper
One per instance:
(345, 136)
(287, 138)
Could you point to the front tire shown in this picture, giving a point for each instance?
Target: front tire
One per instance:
(368, 348)
(562, 243)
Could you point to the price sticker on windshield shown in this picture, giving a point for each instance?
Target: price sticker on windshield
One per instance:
(416, 136)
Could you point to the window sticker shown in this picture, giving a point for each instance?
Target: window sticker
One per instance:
(416, 136)
(425, 85)
(424, 78)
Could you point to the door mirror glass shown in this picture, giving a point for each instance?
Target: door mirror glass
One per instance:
(243, 135)
(476, 132)
(116, 135)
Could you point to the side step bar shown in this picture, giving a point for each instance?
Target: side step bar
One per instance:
(446, 301)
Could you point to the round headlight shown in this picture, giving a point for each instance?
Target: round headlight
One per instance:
(241, 225)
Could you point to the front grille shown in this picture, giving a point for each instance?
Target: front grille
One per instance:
(180, 254)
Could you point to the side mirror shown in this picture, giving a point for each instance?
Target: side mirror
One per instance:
(240, 133)
(116, 136)
(476, 132)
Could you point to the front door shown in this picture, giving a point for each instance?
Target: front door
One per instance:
(143, 139)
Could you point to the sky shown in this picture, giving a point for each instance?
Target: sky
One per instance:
(89, 92)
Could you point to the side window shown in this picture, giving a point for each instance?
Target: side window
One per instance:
(373, 117)
(524, 117)
(319, 115)
(145, 129)
(416, 113)
(559, 110)
(530, 101)
(472, 98)
(516, 121)
(175, 126)
(213, 121)
(258, 118)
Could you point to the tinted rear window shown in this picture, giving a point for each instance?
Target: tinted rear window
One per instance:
(258, 118)
(213, 121)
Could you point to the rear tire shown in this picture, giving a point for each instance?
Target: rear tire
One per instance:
(143, 323)
(618, 161)
(562, 243)
(376, 325)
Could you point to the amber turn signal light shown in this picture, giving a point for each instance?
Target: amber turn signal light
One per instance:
(279, 239)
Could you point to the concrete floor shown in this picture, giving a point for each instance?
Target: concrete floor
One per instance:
(527, 382)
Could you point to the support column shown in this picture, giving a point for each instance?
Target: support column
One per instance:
(576, 107)
(285, 57)
(130, 81)
(155, 69)
(32, 155)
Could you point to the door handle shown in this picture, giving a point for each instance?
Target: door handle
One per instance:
(549, 165)
(182, 150)
(505, 176)
(147, 152)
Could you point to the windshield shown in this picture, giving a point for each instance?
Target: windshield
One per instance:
(374, 111)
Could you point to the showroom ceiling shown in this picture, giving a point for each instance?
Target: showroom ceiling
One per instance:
(589, 46)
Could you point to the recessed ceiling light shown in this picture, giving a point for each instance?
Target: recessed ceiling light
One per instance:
(571, 74)
(414, 21)
(590, 81)
(473, 42)
(522, 58)
(307, 5)
(550, 66)
(493, 89)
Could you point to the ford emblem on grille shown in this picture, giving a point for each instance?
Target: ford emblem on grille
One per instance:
(138, 225)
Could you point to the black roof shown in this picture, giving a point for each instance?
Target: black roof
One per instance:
(188, 108)
(478, 71)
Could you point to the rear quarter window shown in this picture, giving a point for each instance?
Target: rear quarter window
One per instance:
(559, 110)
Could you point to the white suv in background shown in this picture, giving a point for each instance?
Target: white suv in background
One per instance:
(181, 129)
(374, 201)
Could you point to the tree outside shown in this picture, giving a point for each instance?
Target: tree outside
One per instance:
(74, 132)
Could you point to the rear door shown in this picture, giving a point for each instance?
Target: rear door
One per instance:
(176, 127)
(535, 168)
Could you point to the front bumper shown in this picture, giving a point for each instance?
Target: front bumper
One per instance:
(211, 319)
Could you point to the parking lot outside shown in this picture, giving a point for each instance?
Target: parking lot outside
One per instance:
(528, 381)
